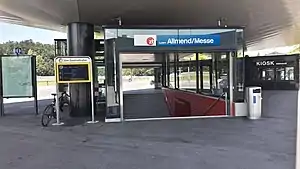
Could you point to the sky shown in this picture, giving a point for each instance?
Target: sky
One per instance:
(19, 33)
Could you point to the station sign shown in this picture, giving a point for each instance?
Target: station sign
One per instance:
(73, 69)
(177, 40)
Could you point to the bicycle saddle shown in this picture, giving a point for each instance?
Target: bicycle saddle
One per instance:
(53, 94)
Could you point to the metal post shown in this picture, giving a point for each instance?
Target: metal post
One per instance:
(226, 103)
(93, 104)
(58, 123)
(2, 106)
(1, 91)
(92, 96)
(36, 105)
(176, 64)
(231, 83)
(119, 62)
(197, 72)
(168, 70)
(298, 134)
(34, 84)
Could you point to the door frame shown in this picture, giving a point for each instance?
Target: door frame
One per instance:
(229, 106)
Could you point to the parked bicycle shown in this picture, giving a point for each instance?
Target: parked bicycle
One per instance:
(49, 112)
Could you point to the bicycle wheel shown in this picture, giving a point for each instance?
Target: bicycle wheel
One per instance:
(47, 115)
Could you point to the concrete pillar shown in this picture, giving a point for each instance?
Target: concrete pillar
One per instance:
(80, 43)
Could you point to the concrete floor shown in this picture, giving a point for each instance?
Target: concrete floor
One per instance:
(235, 143)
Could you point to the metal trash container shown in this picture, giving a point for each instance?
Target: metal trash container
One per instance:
(254, 102)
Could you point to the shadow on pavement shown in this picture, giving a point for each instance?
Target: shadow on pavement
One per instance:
(26, 111)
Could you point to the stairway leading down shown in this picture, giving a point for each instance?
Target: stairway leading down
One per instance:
(147, 103)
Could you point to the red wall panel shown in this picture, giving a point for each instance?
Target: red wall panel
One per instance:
(181, 103)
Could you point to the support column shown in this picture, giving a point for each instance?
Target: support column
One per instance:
(81, 43)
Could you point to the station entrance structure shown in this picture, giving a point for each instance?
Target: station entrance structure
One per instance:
(218, 94)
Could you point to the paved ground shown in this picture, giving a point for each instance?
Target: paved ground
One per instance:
(177, 144)
(235, 143)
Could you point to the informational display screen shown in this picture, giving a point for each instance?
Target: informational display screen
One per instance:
(73, 70)
(17, 76)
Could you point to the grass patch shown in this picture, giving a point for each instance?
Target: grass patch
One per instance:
(193, 77)
(46, 83)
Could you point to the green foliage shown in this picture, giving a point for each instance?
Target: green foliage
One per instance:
(201, 56)
(296, 50)
(44, 54)
(138, 72)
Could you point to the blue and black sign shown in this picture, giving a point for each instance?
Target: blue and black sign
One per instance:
(188, 40)
(17, 51)
(204, 41)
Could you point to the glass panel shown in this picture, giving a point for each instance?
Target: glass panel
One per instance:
(280, 73)
(206, 77)
(131, 32)
(289, 73)
(222, 69)
(17, 76)
(172, 76)
(101, 81)
(61, 47)
(285, 73)
(219, 73)
(268, 74)
(238, 77)
(203, 31)
(200, 74)
(110, 33)
(99, 58)
(112, 81)
(187, 72)
(171, 71)
(101, 74)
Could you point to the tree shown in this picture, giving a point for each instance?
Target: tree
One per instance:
(44, 54)
(296, 50)
(138, 72)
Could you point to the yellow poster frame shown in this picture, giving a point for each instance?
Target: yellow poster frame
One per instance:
(73, 63)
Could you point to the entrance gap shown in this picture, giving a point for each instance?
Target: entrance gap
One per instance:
(141, 85)
(164, 85)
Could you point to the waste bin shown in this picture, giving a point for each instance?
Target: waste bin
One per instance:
(254, 102)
